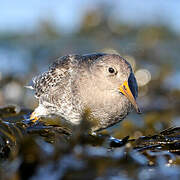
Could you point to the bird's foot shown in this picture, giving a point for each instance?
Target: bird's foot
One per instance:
(33, 117)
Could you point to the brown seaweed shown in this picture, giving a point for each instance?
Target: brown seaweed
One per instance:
(43, 150)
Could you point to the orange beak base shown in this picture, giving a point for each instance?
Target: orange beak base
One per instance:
(125, 90)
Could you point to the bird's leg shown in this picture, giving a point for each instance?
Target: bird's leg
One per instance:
(33, 117)
(37, 113)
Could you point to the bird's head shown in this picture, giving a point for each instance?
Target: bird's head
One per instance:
(113, 73)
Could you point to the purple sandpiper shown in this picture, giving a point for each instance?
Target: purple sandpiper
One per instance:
(102, 83)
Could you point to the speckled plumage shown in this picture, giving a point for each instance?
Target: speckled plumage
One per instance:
(75, 83)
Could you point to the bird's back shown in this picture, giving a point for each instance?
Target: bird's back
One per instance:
(60, 73)
(55, 88)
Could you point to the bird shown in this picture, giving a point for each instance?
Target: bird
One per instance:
(100, 82)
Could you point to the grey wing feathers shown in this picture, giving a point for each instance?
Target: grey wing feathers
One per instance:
(59, 74)
(44, 83)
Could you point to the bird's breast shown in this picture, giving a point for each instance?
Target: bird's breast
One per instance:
(108, 109)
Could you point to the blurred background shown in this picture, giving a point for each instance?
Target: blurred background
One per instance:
(146, 33)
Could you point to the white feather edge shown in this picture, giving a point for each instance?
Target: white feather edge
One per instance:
(29, 87)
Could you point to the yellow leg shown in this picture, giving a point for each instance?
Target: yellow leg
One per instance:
(33, 117)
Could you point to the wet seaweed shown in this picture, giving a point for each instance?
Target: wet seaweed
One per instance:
(44, 150)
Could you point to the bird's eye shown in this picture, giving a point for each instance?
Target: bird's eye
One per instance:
(111, 70)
